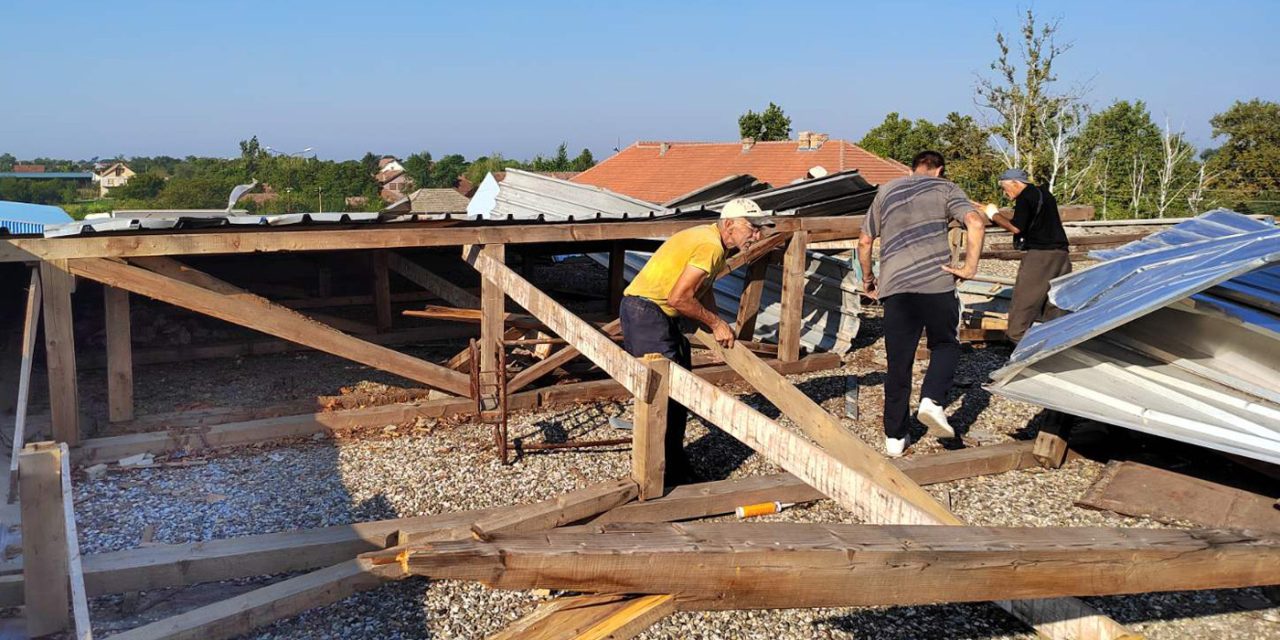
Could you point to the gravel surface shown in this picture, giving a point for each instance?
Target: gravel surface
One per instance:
(436, 467)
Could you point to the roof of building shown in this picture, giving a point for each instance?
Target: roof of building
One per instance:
(437, 201)
(388, 176)
(48, 175)
(23, 217)
(28, 168)
(107, 168)
(660, 171)
(386, 160)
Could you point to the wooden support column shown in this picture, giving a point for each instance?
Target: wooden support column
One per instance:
(793, 280)
(749, 303)
(648, 452)
(1051, 443)
(29, 328)
(119, 355)
(60, 347)
(44, 540)
(617, 276)
(382, 290)
(492, 312)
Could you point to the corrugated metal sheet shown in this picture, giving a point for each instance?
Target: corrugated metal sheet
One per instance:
(1208, 225)
(832, 306)
(179, 220)
(523, 195)
(1181, 341)
(25, 218)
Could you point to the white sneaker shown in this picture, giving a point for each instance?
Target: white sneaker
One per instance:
(931, 415)
(895, 447)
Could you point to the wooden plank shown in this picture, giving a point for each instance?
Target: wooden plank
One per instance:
(749, 303)
(793, 281)
(243, 613)
(1134, 489)
(785, 565)
(434, 284)
(594, 617)
(851, 488)
(1051, 442)
(29, 327)
(570, 507)
(381, 291)
(617, 276)
(262, 315)
(119, 355)
(60, 351)
(44, 540)
(492, 312)
(825, 430)
(648, 451)
(381, 237)
(75, 571)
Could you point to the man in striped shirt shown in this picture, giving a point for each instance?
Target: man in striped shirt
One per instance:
(917, 288)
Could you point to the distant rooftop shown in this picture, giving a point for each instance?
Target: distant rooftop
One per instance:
(47, 175)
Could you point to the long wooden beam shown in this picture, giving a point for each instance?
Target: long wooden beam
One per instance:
(785, 565)
(854, 489)
(428, 280)
(593, 617)
(60, 350)
(1060, 618)
(29, 326)
(225, 302)
(369, 237)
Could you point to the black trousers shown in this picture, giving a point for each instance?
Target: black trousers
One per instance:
(646, 329)
(1031, 290)
(905, 315)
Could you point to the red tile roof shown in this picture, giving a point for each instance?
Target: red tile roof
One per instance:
(644, 170)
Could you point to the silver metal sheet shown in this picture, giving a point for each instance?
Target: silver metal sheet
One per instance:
(529, 196)
(1212, 224)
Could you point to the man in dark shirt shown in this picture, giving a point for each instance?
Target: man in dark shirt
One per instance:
(1037, 228)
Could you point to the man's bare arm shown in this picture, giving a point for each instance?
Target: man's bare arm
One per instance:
(683, 298)
(975, 225)
(865, 243)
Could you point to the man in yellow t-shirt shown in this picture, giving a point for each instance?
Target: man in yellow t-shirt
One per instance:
(674, 284)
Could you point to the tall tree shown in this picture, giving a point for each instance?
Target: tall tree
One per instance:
(250, 152)
(771, 124)
(418, 166)
(1248, 162)
(901, 139)
(370, 162)
(7, 161)
(1124, 145)
(1023, 98)
(971, 162)
(445, 171)
(583, 162)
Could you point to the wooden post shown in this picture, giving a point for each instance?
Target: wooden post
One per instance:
(1051, 443)
(382, 290)
(60, 347)
(617, 276)
(44, 540)
(749, 303)
(492, 312)
(29, 327)
(648, 452)
(793, 280)
(119, 355)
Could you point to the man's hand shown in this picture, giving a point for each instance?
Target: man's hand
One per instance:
(723, 333)
(871, 288)
(964, 273)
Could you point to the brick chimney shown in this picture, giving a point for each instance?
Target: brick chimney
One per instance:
(805, 137)
(816, 140)
(663, 148)
(747, 143)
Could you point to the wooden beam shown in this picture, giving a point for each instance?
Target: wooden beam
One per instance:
(119, 355)
(576, 505)
(749, 303)
(786, 565)
(225, 302)
(492, 312)
(243, 613)
(60, 350)
(381, 291)
(1051, 442)
(648, 451)
(44, 540)
(594, 617)
(75, 570)
(555, 360)
(851, 488)
(381, 237)
(30, 325)
(794, 264)
(825, 430)
(617, 276)
(434, 284)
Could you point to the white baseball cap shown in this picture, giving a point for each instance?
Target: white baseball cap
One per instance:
(745, 208)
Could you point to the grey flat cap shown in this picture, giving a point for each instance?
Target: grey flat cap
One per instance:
(1015, 174)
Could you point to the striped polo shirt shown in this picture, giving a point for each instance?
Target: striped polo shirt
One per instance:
(910, 217)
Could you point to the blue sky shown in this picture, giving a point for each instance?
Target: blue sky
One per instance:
(85, 79)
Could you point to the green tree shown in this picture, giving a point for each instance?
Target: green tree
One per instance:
(971, 162)
(250, 152)
(1247, 165)
(901, 139)
(370, 162)
(583, 162)
(772, 124)
(418, 166)
(143, 186)
(445, 172)
(7, 161)
(196, 193)
(484, 165)
(1122, 146)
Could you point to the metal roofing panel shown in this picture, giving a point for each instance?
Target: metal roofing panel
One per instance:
(529, 196)
(1211, 224)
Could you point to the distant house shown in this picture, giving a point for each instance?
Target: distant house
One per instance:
(433, 201)
(661, 171)
(394, 185)
(388, 163)
(117, 174)
(21, 218)
(28, 168)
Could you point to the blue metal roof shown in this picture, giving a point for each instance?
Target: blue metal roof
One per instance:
(48, 175)
(25, 218)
